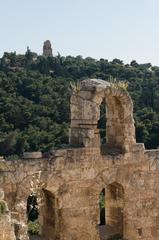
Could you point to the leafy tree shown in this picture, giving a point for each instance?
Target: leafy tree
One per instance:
(34, 98)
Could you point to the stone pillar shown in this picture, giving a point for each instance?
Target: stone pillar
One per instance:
(79, 214)
(21, 223)
(84, 118)
(48, 216)
(7, 229)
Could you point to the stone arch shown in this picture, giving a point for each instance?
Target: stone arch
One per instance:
(47, 196)
(24, 189)
(48, 213)
(85, 113)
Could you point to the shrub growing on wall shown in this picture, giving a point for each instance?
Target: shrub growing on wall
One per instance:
(2, 208)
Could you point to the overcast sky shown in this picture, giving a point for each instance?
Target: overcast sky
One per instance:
(124, 29)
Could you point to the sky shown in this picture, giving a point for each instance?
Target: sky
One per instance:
(123, 29)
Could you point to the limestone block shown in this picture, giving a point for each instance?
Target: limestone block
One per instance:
(32, 155)
(1, 194)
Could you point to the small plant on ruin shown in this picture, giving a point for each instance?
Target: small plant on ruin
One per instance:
(75, 87)
(33, 227)
(118, 84)
(2, 208)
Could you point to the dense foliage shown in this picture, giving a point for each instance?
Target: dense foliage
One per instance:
(34, 98)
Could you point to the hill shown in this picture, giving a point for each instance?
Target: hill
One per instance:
(34, 98)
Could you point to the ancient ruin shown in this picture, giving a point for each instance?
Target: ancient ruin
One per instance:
(47, 49)
(70, 182)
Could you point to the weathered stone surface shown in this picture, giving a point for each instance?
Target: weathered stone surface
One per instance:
(86, 111)
(30, 155)
(69, 182)
(6, 226)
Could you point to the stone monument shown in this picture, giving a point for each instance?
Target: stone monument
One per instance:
(47, 49)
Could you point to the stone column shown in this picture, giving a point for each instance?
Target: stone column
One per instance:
(21, 225)
(7, 230)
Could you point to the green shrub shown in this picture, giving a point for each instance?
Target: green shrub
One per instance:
(33, 227)
(12, 157)
(2, 208)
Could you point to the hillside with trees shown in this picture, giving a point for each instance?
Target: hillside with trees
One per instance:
(34, 98)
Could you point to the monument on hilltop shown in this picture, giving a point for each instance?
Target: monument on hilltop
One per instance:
(47, 49)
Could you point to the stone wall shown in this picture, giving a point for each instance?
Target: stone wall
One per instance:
(70, 181)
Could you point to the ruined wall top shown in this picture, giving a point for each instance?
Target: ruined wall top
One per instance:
(85, 114)
(87, 83)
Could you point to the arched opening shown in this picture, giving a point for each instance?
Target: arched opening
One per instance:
(111, 204)
(86, 127)
(49, 211)
(42, 218)
(116, 128)
(32, 216)
(110, 126)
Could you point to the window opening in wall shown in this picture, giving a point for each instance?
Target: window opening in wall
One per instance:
(102, 122)
(32, 215)
(140, 231)
(111, 206)
(102, 207)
